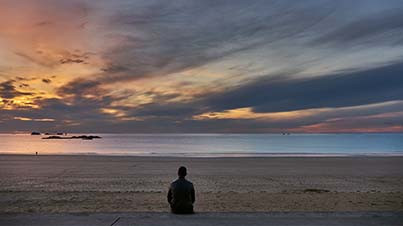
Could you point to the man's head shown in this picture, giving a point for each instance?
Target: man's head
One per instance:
(182, 171)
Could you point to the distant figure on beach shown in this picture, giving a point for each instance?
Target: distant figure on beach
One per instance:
(36, 153)
(181, 194)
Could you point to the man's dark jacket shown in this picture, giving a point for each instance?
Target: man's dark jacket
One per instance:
(181, 196)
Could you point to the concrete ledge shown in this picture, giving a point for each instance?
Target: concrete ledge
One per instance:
(222, 219)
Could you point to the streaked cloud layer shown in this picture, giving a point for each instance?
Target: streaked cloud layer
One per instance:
(201, 66)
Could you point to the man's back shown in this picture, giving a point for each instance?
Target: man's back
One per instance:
(181, 196)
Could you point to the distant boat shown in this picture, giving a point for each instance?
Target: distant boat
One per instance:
(35, 133)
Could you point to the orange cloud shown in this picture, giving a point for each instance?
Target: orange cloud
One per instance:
(329, 127)
(34, 119)
(247, 113)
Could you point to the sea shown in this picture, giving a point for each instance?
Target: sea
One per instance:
(210, 145)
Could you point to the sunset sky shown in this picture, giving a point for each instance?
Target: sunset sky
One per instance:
(201, 66)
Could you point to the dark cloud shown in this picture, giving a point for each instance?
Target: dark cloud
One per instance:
(32, 59)
(176, 110)
(8, 90)
(115, 69)
(77, 57)
(24, 85)
(384, 27)
(80, 87)
(66, 57)
(25, 79)
(338, 90)
(158, 39)
(46, 80)
(43, 23)
(169, 38)
(70, 61)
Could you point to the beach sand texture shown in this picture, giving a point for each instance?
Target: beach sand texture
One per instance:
(72, 184)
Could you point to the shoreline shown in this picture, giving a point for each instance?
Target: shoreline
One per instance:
(221, 155)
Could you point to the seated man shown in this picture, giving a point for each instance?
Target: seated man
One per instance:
(181, 194)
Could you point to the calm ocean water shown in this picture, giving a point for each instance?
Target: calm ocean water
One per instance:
(202, 145)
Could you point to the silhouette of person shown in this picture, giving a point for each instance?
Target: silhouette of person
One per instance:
(181, 194)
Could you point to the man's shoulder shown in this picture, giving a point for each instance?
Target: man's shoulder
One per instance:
(177, 181)
(181, 181)
(174, 182)
(188, 182)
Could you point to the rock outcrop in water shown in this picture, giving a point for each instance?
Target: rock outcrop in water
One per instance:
(83, 137)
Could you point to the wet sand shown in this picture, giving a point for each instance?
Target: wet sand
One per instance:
(76, 184)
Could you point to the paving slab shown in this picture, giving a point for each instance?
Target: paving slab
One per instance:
(214, 219)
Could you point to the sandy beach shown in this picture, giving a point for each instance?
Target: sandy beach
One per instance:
(74, 184)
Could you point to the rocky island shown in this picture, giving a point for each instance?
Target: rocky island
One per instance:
(83, 137)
